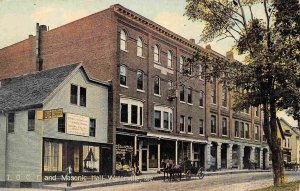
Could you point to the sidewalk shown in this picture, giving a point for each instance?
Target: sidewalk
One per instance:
(130, 180)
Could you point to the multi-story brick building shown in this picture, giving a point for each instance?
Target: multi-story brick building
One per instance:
(154, 116)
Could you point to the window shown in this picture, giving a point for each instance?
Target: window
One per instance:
(140, 80)
(224, 126)
(74, 94)
(123, 40)
(171, 121)
(170, 60)
(200, 72)
(190, 69)
(156, 54)
(247, 131)
(256, 132)
(82, 96)
(182, 127)
(264, 136)
(242, 130)
(170, 85)
(201, 127)
(139, 45)
(224, 96)
(92, 127)
(157, 85)
(189, 125)
(236, 129)
(213, 124)
(181, 89)
(201, 99)
(61, 124)
(53, 157)
(124, 112)
(157, 119)
(257, 112)
(31, 120)
(131, 112)
(189, 94)
(134, 114)
(166, 120)
(214, 91)
(181, 63)
(11, 122)
(141, 114)
(123, 75)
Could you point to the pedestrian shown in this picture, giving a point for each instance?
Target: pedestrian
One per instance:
(69, 172)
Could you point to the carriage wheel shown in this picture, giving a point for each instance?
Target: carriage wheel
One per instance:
(200, 173)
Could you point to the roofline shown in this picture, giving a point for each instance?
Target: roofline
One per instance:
(32, 106)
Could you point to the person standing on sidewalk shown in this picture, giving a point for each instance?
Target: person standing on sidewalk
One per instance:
(69, 172)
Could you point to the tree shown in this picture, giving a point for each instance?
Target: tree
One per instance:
(271, 72)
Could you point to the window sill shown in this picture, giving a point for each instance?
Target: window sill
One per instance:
(133, 125)
(202, 135)
(123, 86)
(224, 107)
(140, 56)
(213, 133)
(157, 95)
(142, 91)
(155, 62)
(162, 129)
(201, 107)
(190, 104)
(190, 133)
(124, 50)
(182, 132)
(224, 135)
(182, 102)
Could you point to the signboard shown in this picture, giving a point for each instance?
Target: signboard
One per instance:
(78, 125)
(50, 114)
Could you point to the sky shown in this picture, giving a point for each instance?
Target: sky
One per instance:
(18, 17)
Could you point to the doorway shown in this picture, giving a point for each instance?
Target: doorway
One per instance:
(144, 160)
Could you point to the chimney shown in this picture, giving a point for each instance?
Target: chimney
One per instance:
(229, 55)
(208, 47)
(192, 40)
(43, 28)
(38, 39)
(30, 36)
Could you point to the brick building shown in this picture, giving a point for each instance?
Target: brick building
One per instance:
(154, 116)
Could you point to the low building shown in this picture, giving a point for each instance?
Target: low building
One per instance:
(52, 119)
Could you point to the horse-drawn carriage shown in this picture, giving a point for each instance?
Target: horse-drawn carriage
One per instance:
(187, 168)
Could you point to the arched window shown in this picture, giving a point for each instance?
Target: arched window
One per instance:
(140, 80)
(157, 85)
(123, 40)
(139, 45)
(156, 54)
(170, 60)
(181, 63)
(123, 75)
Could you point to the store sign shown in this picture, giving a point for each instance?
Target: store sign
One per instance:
(53, 113)
(77, 124)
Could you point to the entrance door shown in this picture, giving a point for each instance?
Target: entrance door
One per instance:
(224, 156)
(144, 160)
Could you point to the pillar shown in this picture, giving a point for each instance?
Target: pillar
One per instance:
(158, 155)
(135, 145)
(207, 155)
(140, 155)
(261, 158)
(229, 156)
(241, 156)
(252, 154)
(267, 159)
(219, 155)
(176, 152)
(191, 151)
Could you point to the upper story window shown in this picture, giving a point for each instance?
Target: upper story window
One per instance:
(157, 85)
(200, 72)
(213, 124)
(190, 69)
(224, 96)
(201, 99)
(156, 54)
(181, 89)
(123, 80)
(163, 117)
(123, 40)
(181, 64)
(189, 125)
(224, 126)
(242, 129)
(201, 127)
(170, 85)
(247, 110)
(61, 124)
(140, 80)
(170, 60)
(182, 123)
(31, 120)
(190, 95)
(74, 95)
(92, 127)
(82, 96)
(214, 91)
(11, 123)
(247, 131)
(257, 111)
(236, 129)
(131, 112)
(256, 132)
(139, 45)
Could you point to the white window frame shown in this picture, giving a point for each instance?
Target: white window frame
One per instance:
(170, 59)
(156, 54)
(139, 47)
(163, 109)
(157, 77)
(131, 102)
(123, 40)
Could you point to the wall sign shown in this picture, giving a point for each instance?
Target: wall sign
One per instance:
(77, 124)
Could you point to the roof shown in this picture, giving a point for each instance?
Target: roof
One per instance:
(29, 91)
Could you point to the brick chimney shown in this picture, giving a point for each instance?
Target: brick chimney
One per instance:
(192, 40)
(229, 55)
(38, 38)
(208, 47)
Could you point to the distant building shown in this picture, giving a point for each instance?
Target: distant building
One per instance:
(51, 119)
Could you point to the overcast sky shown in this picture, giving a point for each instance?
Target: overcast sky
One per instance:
(18, 17)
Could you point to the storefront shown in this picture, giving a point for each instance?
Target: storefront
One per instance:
(85, 158)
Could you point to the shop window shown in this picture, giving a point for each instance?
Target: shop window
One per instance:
(139, 45)
(123, 80)
(190, 95)
(242, 130)
(156, 54)
(62, 124)
(92, 127)
(236, 129)
(82, 96)
(181, 89)
(201, 127)
(157, 118)
(53, 157)
(157, 85)
(140, 80)
(74, 94)
(182, 126)
(134, 114)
(201, 99)
(124, 113)
(31, 120)
(91, 160)
(170, 60)
(213, 124)
(11, 122)
(123, 40)
(76, 159)
(189, 125)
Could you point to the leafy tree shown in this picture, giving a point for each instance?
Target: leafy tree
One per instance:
(267, 33)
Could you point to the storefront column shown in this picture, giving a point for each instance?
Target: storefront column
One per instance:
(267, 159)
(219, 155)
(158, 155)
(140, 155)
(261, 158)
(191, 151)
(229, 156)
(252, 154)
(241, 157)
(207, 156)
(135, 145)
(176, 152)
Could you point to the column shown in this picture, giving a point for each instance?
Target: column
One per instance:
(207, 155)
(140, 155)
(219, 155)
(176, 152)
(252, 154)
(267, 159)
(158, 155)
(261, 158)
(241, 156)
(229, 156)
(191, 151)
(135, 145)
